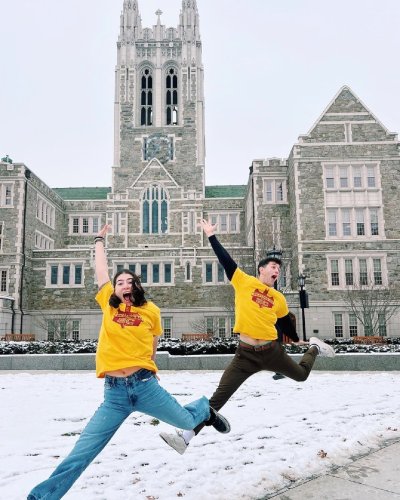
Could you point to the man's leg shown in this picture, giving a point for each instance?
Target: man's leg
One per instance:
(243, 365)
(277, 360)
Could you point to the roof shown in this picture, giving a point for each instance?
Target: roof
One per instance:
(233, 191)
(83, 193)
(100, 193)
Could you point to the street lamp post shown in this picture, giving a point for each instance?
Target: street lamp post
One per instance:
(303, 296)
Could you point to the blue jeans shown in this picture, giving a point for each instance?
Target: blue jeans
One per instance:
(122, 396)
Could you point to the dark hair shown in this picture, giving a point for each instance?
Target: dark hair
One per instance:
(138, 298)
(267, 260)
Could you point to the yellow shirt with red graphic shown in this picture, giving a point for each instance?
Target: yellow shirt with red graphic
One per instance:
(126, 334)
(257, 307)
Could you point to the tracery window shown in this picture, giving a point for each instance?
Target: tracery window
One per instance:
(154, 210)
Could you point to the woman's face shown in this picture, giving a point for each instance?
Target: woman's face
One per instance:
(123, 288)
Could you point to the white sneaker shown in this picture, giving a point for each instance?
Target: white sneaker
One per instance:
(176, 441)
(324, 350)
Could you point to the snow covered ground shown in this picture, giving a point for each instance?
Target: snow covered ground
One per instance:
(282, 431)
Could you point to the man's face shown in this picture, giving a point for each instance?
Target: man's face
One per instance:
(269, 273)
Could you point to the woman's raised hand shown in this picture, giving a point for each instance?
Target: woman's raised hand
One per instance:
(104, 230)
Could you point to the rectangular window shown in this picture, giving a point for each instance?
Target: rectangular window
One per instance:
(332, 226)
(209, 273)
(167, 273)
(120, 267)
(279, 190)
(132, 268)
(76, 326)
(156, 273)
(348, 266)
(167, 327)
(335, 272)
(1, 235)
(275, 191)
(78, 274)
(51, 330)
(75, 225)
(338, 318)
(233, 223)
(373, 215)
(85, 225)
(357, 179)
(221, 328)
(223, 223)
(353, 327)
(346, 225)
(54, 275)
(3, 280)
(268, 190)
(143, 273)
(210, 325)
(377, 265)
(363, 271)
(344, 179)
(360, 222)
(382, 325)
(371, 181)
(95, 225)
(63, 329)
(329, 178)
(368, 330)
(221, 273)
(66, 274)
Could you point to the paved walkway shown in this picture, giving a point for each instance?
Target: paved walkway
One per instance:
(373, 477)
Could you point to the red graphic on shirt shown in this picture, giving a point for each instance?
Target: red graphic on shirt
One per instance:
(262, 299)
(127, 318)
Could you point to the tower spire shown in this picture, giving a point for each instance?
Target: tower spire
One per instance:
(189, 21)
(131, 23)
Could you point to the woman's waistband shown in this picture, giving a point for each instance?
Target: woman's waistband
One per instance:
(142, 374)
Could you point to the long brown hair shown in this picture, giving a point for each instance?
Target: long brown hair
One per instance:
(137, 296)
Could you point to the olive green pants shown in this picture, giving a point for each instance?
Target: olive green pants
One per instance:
(248, 361)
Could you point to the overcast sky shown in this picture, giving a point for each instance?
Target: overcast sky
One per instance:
(271, 68)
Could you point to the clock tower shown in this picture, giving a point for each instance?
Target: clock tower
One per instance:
(159, 106)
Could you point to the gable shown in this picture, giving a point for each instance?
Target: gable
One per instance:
(347, 120)
(154, 172)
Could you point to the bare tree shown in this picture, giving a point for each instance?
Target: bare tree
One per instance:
(372, 304)
(58, 327)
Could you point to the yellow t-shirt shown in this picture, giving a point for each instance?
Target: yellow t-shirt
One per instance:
(257, 307)
(126, 334)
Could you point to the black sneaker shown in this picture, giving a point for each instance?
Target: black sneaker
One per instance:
(219, 422)
(278, 376)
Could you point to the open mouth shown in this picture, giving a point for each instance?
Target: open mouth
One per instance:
(127, 297)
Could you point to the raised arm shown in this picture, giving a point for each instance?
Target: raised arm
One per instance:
(224, 258)
(100, 259)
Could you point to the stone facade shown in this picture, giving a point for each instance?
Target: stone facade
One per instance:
(332, 201)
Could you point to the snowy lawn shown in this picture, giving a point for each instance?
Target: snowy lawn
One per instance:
(282, 431)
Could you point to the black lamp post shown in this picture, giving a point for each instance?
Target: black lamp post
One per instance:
(303, 296)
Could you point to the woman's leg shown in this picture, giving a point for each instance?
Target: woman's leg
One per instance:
(150, 398)
(98, 432)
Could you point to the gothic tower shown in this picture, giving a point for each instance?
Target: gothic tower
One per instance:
(159, 101)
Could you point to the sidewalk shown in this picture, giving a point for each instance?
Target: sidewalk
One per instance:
(373, 477)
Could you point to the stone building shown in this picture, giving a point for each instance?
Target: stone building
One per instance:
(330, 208)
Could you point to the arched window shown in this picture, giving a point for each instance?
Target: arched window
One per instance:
(146, 97)
(171, 97)
(155, 210)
